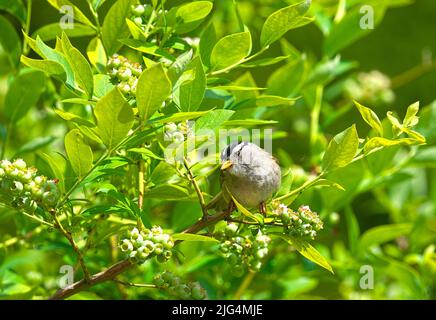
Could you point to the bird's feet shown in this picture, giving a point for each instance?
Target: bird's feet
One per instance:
(262, 208)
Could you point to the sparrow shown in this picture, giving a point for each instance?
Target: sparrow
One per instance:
(250, 174)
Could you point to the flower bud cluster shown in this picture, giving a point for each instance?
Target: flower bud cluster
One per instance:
(178, 289)
(177, 132)
(147, 243)
(370, 87)
(301, 223)
(124, 73)
(248, 251)
(21, 187)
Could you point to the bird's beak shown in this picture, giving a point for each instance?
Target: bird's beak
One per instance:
(227, 164)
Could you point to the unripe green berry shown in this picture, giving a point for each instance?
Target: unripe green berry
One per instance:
(138, 21)
(17, 187)
(198, 293)
(138, 10)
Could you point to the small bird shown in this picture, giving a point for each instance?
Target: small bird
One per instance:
(250, 174)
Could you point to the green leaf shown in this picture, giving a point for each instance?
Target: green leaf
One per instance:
(167, 192)
(14, 7)
(271, 101)
(207, 42)
(353, 229)
(242, 209)
(180, 116)
(58, 166)
(348, 30)
(377, 143)
(146, 153)
(114, 25)
(283, 20)
(248, 122)
(90, 132)
(33, 145)
(153, 89)
(23, 94)
(192, 237)
(102, 85)
(114, 118)
(213, 120)
(68, 116)
(79, 153)
(146, 47)
(288, 79)
(10, 42)
(97, 55)
(97, 4)
(191, 93)
(84, 102)
(32, 44)
(307, 251)
(50, 68)
(264, 62)
(163, 173)
(411, 120)
(328, 183)
(370, 118)
(81, 68)
(188, 16)
(135, 31)
(341, 149)
(398, 128)
(381, 234)
(52, 30)
(54, 55)
(230, 50)
(78, 15)
(236, 88)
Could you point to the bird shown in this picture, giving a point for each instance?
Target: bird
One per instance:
(250, 174)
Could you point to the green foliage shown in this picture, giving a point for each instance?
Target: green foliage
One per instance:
(103, 108)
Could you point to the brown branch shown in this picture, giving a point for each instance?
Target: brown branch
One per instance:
(122, 266)
(100, 277)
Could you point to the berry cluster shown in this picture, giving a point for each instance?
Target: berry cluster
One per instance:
(301, 223)
(371, 87)
(242, 251)
(177, 132)
(21, 187)
(146, 244)
(141, 14)
(124, 73)
(178, 289)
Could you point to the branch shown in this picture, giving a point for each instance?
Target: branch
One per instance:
(122, 266)
(76, 249)
(100, 277)
(191, 178)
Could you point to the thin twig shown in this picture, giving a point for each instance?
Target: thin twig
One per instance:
(131, 284)
(191, 178)
(245, 284)
(76, 249)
